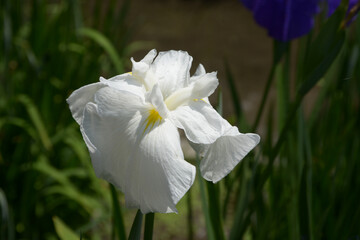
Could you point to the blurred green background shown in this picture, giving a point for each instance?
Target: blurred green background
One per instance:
(307, 189)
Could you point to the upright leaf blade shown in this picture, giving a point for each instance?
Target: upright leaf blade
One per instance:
(36, 119)
(322, 52)
(63, 231)
(105, 43)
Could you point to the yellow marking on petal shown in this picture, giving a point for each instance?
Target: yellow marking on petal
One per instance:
(195, 99)
(130, 73)
(152, 119)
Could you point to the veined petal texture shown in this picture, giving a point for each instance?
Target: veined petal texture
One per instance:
(80, 97)
(172, 70)
(145, 162)
(130, 125)
(200, 121)
(220, 158)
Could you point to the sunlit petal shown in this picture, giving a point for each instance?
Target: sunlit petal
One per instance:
(126, 82)
(171, 69)
(203, 87)
(225, 153)
(143, 160)
(80, 97)
(130, 125)
(200, 121)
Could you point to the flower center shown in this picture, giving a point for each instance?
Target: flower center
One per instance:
(152, 119)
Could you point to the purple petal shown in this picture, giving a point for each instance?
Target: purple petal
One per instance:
(284, 19)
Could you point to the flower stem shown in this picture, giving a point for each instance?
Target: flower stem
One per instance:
(279, 49)
(118, 227)
(149, 226)
(135, 232)
(190, 216)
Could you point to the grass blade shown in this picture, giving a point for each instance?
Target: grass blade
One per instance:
(105, 43)
(37, 121)
(234, 93)
(322, 53)
(63, 231)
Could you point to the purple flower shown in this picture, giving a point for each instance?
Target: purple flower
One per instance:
(284, 19)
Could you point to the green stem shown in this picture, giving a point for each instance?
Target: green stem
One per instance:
(214, 210)
(118, 220)
(278, 51)
(190, 217)
(135, 232)
(205, 206)
(149, 226)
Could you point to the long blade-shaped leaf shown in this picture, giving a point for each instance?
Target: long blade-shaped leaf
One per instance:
(37, 121)
(63, 231)
(105, 43)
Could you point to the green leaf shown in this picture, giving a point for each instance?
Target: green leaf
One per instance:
(234, 93)
(37, 121)
(63, 231)
(135, 232)
(105, 43)
(66, 187)
(322, 52)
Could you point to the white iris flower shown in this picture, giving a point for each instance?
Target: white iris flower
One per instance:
(130, 125)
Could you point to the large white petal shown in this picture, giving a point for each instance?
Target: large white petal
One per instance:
(80, 97)
(200, 121)
(146, 164)
(126, 82)
(172, 70)
(225, 153)
(164, 174)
